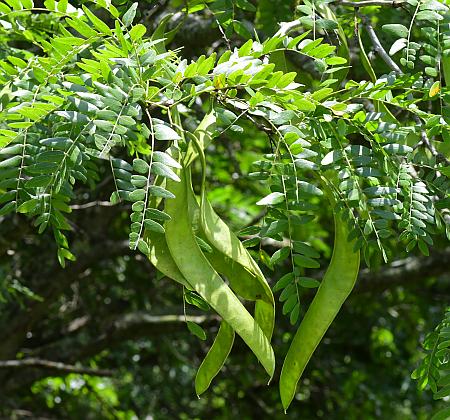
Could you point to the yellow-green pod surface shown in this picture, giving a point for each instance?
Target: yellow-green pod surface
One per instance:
(217, 232)
(241, 282)
(203, 134)
(336, 285)
(250, 281)
(204, 279)
(216, 357)
(159, 254)
(219, 235)
(161, 257)
(245, 276)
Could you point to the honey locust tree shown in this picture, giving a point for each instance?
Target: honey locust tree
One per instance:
(314, 120)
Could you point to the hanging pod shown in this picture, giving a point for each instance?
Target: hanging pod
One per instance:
(161, 258)
(159, 253)
(204, 279)
(242, 280)
(243, 283)
(245, 278)
(228, 257)
(220, 236)
(215, 358)
(237, 263)
(203, 134)
(334, 289)
(224, 340)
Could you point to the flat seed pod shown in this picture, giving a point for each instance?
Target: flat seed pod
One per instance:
(334, 289)
(215, 359)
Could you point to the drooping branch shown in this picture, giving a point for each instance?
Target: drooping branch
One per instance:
(90, 204)
(130, 326)
(51, 365)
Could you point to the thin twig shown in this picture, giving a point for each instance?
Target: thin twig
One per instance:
(287, 27)
(48, 364)
(379, 48)
(424, 140)
(91, 204)
(364, 3)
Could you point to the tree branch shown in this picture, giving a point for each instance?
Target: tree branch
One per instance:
(364, 3)
(287, 27)
(379, 48)
(19, 324)
(134, 325)
(58, 366)
(424, 140)
(91, 204)
(129, 326)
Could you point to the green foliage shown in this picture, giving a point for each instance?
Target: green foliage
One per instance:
(433, 369)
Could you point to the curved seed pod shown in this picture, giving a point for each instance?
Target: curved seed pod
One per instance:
(336, 285)
(161, 257)
(219, 235)
(215, 359)
(205, 280)
(159, 254)
(244, 274)
(265, 317)
(203, 134)
(243, 282)
(238, 277)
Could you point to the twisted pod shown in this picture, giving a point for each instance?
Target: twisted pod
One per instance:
(230, 258)
(176, 254)
(204, 279)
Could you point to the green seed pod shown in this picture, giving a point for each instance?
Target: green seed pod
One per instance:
(216, 357)
(334, 289)
(205, 280)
